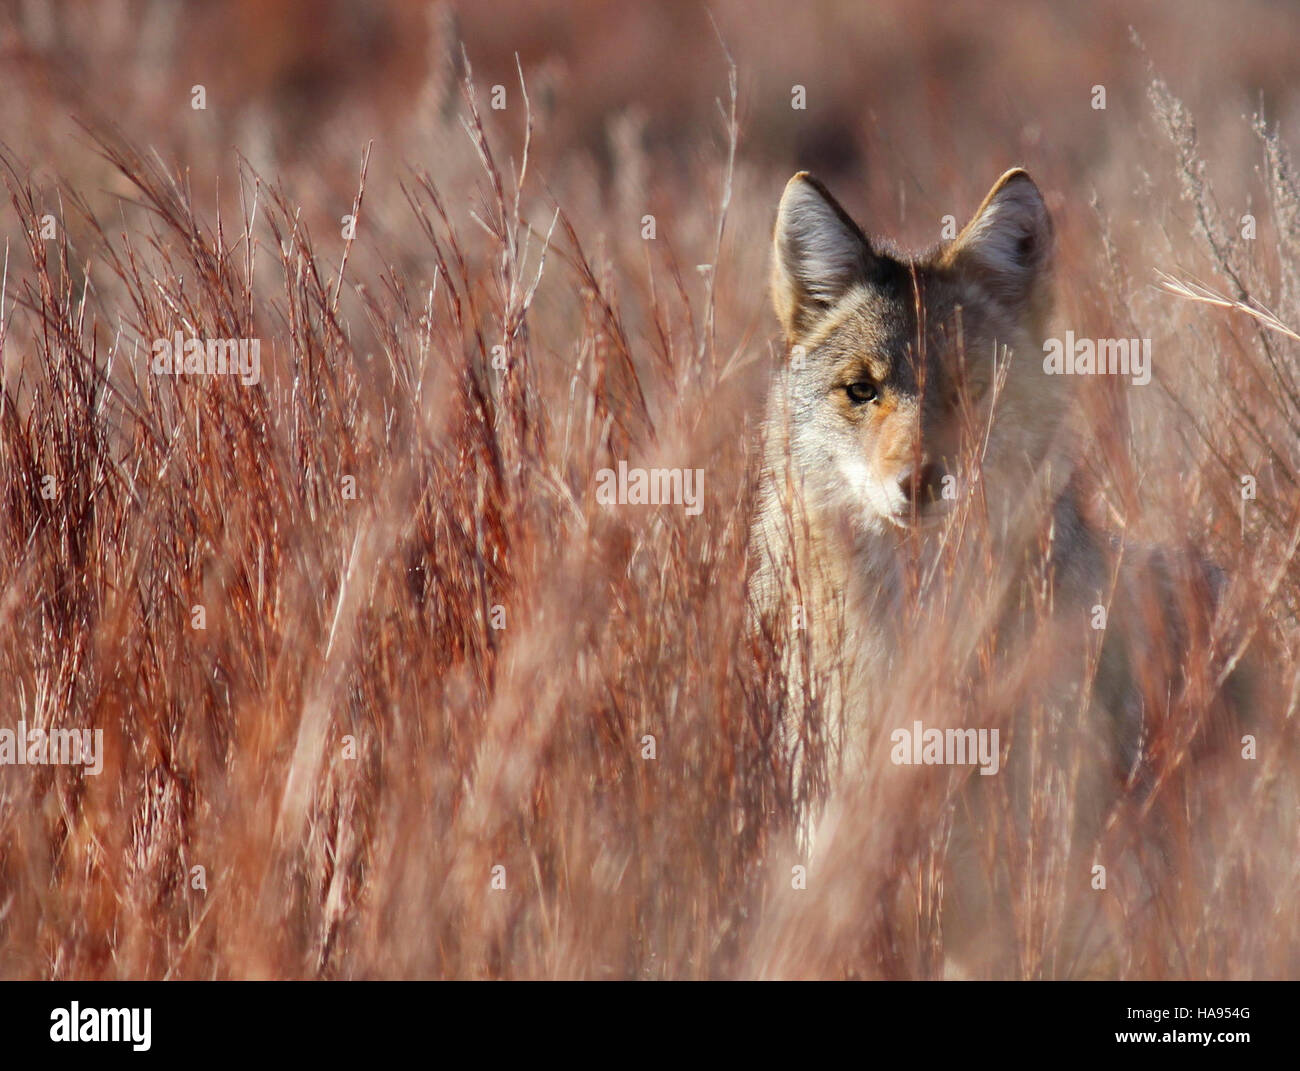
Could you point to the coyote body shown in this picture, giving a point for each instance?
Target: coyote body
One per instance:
(921, 552)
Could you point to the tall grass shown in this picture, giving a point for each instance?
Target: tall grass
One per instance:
(466, 664)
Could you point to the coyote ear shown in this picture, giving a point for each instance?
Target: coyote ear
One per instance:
(818, 253)
(1008, 244)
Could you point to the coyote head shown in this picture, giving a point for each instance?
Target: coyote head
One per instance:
(894, 360)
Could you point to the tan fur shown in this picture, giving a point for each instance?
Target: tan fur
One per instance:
(902, 371)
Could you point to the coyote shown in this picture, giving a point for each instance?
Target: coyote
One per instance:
(923, 551)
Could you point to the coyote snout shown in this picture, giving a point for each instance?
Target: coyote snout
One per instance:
(901, 478)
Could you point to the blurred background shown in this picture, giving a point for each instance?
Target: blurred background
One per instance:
(371, 617)
(918, 100)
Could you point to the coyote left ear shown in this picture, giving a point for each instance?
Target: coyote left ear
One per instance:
(1008, 245)
(818, 254)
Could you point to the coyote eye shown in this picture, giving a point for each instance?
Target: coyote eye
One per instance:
(861, 392)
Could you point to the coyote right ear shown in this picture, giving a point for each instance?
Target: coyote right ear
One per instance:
(1008, 245)
(818, 253)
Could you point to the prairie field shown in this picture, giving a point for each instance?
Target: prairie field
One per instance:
(384, 687)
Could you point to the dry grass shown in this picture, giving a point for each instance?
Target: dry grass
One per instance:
(351, 744)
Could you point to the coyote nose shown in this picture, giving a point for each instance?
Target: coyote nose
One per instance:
(920, 485)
